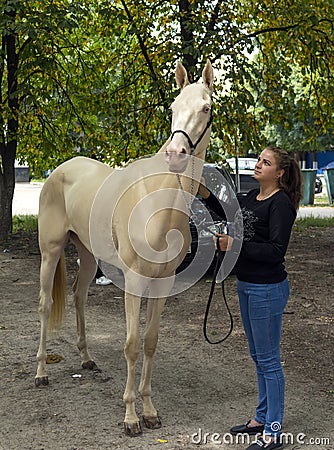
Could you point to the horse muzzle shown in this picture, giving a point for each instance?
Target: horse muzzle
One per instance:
(177, 160)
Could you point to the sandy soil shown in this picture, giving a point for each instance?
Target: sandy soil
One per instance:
(198, 388)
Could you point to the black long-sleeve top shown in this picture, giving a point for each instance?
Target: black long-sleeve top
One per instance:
(267, 226)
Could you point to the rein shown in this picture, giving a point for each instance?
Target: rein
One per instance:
(220, 257)
(219, 253)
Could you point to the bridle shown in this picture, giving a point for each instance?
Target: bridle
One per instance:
(192, 155)
(190, 142)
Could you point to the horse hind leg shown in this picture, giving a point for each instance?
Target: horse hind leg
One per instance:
(86, 273)
(52, 272)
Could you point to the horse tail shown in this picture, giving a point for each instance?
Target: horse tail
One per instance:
(58, 296)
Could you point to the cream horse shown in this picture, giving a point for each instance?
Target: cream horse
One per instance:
(120, 217)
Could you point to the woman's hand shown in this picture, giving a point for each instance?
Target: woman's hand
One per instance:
(224, 241)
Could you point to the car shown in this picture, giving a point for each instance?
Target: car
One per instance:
(245, 181)
(243, 163)
(248, 182)
(202, 225)
(243, 178)
(318, 185)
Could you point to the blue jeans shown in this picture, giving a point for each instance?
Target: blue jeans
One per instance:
(261, 307)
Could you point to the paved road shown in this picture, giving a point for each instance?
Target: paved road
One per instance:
(316, 211)
(26, 197)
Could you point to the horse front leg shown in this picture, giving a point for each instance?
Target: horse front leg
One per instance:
(132, 425)
(154, 310)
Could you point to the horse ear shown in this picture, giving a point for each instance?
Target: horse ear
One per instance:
(181, 75)
(207, 75)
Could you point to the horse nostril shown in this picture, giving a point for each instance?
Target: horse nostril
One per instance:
(175, 153)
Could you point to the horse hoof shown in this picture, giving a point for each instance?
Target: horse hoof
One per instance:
(133, 429)
(90, 365)
(152, 423)
(41, 381)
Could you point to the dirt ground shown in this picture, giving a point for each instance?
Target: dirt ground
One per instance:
(200, 390)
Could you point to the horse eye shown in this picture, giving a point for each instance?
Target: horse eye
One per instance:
(206, 109)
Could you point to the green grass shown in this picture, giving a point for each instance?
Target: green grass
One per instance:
(321, 201)
(307, 222)
(26, 223)
(37, 180)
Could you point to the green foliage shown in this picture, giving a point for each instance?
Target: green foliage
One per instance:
(97, 77)
(295, 56)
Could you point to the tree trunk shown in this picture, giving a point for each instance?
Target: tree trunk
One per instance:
(7, 184)
(187, 37)
(8, 144)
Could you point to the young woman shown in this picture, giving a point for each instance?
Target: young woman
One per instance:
(262, 284)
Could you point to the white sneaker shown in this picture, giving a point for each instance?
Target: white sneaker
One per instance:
(103, 281)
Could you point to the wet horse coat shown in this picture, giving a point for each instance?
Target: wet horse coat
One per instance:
(135, 219)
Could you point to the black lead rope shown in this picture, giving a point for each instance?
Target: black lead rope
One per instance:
(220, 257)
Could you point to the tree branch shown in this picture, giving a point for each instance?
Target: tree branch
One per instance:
(145, 54)
(269, 30)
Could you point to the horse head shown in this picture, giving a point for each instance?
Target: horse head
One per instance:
(191, 119)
